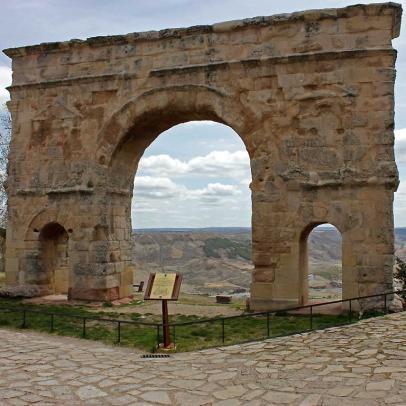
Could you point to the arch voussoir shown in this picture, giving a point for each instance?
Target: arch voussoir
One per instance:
(187, 102)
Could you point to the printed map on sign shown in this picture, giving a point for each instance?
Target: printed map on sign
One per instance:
(162, 287)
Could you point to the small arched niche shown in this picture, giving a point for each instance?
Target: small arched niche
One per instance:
(321, 263)
(54, 257)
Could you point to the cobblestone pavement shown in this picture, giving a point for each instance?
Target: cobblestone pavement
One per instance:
(362, 364)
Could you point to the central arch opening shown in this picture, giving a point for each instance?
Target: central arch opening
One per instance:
(191, 209)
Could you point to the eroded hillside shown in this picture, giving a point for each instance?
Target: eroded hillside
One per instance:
(220, 260)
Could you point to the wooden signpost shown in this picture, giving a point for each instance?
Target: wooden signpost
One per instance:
(164, 286)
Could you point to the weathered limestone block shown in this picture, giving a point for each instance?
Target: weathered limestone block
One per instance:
(309, 93)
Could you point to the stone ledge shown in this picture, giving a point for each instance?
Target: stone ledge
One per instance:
(313, 56)
(310, 15)
(291, 58)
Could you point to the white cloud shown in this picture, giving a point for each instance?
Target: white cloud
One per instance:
(201, 123)
(400, 146)
(401, 195)
(146, 209)
(163, 165)
(155, 188)
(160, 201)
(148, 188)
(399, 205)
(5, 80)
(216, 163)
(245, 182)
(214, 193)
(233, 164)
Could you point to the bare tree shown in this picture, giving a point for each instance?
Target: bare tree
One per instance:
(5, 135)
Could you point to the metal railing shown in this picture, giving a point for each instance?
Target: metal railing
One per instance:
(228, 326)
(290, 311)
(84, 319)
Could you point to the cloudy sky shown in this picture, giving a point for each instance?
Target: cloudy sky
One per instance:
(195, 174)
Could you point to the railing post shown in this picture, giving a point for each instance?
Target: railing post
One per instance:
(24, 324)
(52, 323)
(222, 331)
(118, 332)
(311, 317)
(268, 330)
(350, 311)
(84, 327)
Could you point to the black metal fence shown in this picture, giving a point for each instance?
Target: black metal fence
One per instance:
(204, 332)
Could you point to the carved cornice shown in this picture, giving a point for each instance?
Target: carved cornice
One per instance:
(224, 27)
(247, 63)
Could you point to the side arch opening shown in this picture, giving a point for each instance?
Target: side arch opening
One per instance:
(54, 257)
(321, 252)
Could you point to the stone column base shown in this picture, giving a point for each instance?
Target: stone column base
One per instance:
(26, 291)
(265, 297)
(271, 305)
(98, 295)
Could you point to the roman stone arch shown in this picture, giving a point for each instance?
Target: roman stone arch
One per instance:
(153, 112)
(131, 129)
(309, 93)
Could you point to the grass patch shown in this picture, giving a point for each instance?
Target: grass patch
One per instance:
(188, 337)
(249, 328)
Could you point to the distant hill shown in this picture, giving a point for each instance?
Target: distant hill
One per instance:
(400, 242)
(400, 234)
(218, 259)
(209, 261)
(220, 230)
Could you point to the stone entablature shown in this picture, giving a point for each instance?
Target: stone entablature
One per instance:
(309, 93)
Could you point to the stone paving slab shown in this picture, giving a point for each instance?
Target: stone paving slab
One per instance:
(362, 364)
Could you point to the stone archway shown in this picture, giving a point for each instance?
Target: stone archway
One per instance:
(310, 94)
(132, 128)
(154, 111)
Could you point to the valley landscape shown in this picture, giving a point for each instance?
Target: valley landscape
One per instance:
(218, 260)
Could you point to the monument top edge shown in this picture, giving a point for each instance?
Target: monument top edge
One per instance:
(373, 9)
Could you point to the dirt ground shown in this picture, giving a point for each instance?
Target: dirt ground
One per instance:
(209, 311)
(187, 305)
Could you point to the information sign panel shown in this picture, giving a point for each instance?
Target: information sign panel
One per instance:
(163, 286)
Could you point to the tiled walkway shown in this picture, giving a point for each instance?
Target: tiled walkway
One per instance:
(362, 364)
